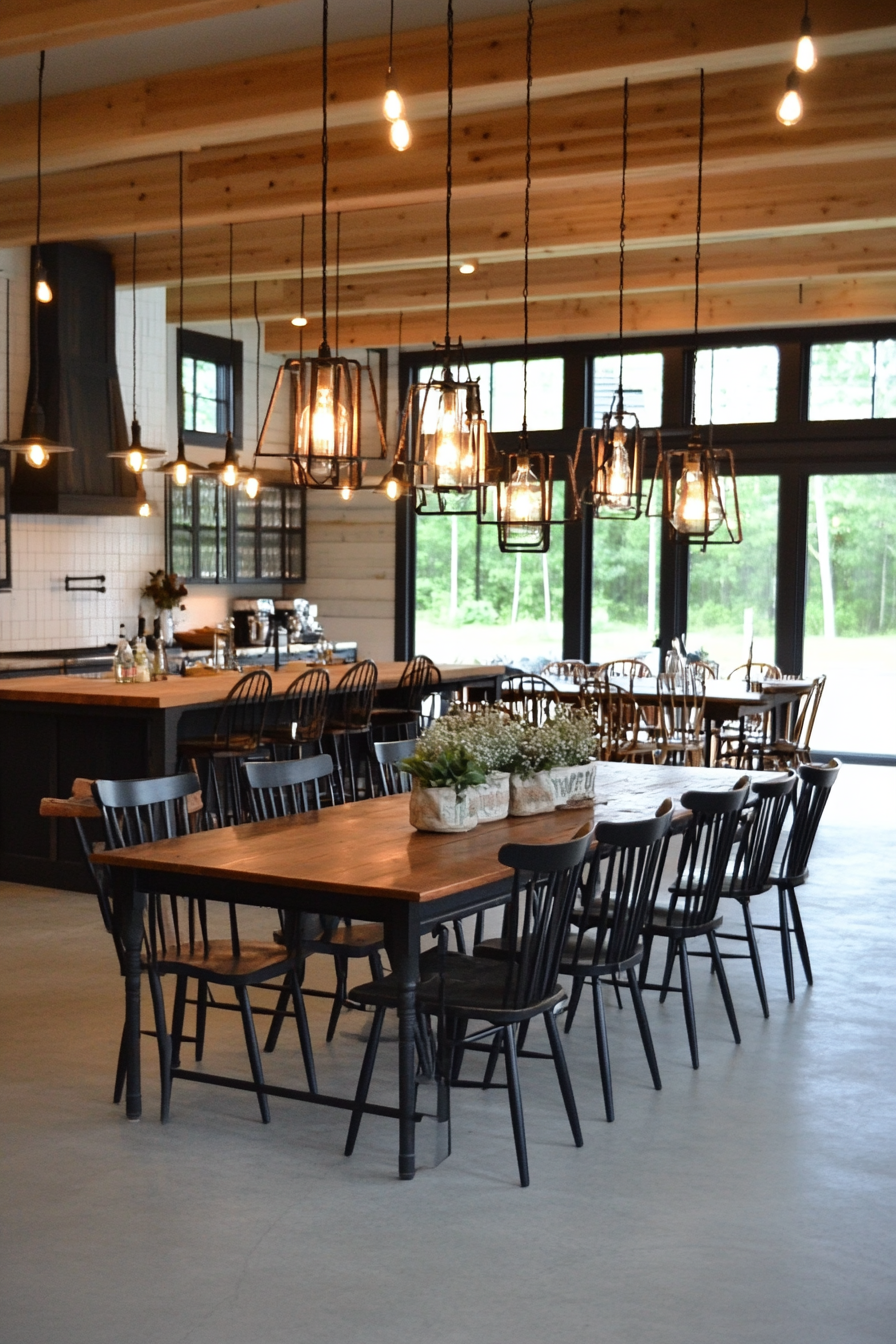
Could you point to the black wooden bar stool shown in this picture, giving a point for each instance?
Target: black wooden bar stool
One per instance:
(238, 733)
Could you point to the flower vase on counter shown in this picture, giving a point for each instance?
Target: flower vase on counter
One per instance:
(165, 592)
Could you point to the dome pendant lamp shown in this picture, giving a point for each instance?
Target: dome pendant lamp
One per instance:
(34, 445)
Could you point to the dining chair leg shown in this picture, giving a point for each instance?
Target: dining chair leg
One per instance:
(298, 1001)
(459, 937)
(516, 1104)
(163, 1041)
(799, 933)
(341, 967)
(242, 995)
(492, 1062)
(723, 985)
(687, 998)
(376, 966)
(786, 950)
(644, 1028)
(754, 957)
(603, 1047)
(364, 1080)
(667, 973)
(121, 1069)
(563, 1078)
(647, 943)
(574, 995)
(201, 1016)
(177, 1019)
(277, 1020)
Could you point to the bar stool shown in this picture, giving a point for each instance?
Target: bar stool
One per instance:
(302, 716)
(238, 733)
(419, 678)
(348, 721)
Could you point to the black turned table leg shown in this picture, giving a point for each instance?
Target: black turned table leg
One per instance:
(129, 907)
(403, 947)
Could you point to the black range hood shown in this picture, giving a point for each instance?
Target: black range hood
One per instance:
(79, 392)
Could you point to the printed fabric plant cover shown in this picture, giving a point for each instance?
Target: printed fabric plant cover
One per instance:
(532, 795)
(493, 797)
(573, 785)
(441, 809)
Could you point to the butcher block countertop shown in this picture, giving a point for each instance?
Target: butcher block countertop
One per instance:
(182, 692)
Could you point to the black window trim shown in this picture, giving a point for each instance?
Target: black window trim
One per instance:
(216, 350)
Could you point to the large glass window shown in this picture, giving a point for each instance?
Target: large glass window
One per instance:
(206, 395)
(850, 630)
(501, 393)
(737, 385)
(475, 605)
(642, 386)
(852, 380)
(731, 590)
(625, 593)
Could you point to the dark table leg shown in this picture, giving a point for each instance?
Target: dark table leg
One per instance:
(403, 947)
(129, 905)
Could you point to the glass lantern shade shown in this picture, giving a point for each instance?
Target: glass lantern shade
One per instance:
(524, 502)
(614, 486)
(445, 452)
(699, 495)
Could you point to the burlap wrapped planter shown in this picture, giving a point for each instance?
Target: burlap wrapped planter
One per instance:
(532, 795)
(493, 797)
(442, 810)
(573, 785)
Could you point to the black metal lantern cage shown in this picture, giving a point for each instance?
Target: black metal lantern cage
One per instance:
(716, 520)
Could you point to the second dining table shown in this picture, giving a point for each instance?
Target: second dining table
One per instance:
(362, 860)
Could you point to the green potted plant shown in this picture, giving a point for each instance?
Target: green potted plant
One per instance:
(555, 764)
(442, 797)
(490, 738)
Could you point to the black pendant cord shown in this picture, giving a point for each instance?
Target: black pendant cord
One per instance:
(697, 246)
(530, 23)
(180, 323)
(257, 360)
(338, 262)
(392, 29)
(7, 359)
(134, 322)
(619, 405)
(35, 344)
(230, 314)
(448, 182)
(325, 169)
(302, 289)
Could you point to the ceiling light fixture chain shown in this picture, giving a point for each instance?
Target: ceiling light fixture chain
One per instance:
(449, 178)
(134, 323)
(530, 23)
(325, 171)
(699, 229)
(622, 227)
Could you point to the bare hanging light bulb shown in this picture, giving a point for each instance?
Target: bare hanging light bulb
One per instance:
(699, 506)
(790, 108)
(393, 104)
(400, 135)
(523, 506)
(806, 56)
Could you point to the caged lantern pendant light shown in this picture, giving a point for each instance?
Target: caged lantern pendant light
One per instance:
(180, 470)
(614, 487)
(393, 103)
(698, 483)
(525, 486)
(136, 457)
(326, 444)
(34, 445)
(444, 451)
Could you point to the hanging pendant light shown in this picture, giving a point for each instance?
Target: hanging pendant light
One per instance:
(136, 457)
(698, 483)
(180, 470)
(806, 57)
(614, 487)
(300, 320)
(445, 453)
(34, 445)
(228, 471)
(393, 103)
(790, 109)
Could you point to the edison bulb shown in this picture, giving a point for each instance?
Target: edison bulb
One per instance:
(181, 473)
(694, 513)
(522, 505)
(37, 455)
(144, 510)
(806, 55)
(618, 473)
(252, 487)
(346, 492)
(446, 449)
(400, 135)
(790, 108)
(229, 473)
(393, 106)
(135, 460)
(393, 489)
(299, 321)
(42, 292)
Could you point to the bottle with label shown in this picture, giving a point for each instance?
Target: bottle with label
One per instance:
(124, 669)
(159, 667)
(141, 659)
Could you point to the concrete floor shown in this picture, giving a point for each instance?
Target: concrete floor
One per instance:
(751, 1202)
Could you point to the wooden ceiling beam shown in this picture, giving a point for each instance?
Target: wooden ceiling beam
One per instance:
(722, 307)
(280, 94)
(576, 144)
(798, 260)
(29, 25)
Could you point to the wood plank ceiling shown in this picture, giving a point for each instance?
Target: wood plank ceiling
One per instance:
(799, 224)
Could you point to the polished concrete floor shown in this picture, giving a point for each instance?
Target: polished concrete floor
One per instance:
(752, 1202)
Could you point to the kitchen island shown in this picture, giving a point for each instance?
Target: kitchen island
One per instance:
(54, 729)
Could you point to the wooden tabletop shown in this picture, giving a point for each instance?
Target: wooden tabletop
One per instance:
(181, 692)
(370, 848)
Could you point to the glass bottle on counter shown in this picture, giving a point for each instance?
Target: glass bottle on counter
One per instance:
(159, 666)
(124, 668)
(141, 660)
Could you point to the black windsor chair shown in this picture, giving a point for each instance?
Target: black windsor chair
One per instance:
(301, 715)
(348, 722)
(405, 717)
(238, 733)
(284, 789)
(692, 910)
(605, 938)
(135, 811)
(816, 782)
(504, 993)
(753, 855)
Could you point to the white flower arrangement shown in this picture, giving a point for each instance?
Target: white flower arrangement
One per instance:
(497, 742)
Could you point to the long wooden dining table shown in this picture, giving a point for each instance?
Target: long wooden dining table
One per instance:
(363, 860)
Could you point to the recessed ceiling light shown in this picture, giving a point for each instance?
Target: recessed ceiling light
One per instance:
(299, 321)
(467, 268)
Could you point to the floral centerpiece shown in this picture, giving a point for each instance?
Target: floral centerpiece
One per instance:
(441, 792)
(555, 764)
(165, 592)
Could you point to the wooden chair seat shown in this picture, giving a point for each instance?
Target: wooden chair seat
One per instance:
(474, 988)
(353, 940)
(218, 964)
(664, 920)
(239, 744)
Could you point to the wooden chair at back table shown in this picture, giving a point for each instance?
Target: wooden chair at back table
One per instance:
(680, 710)
(620, 730)
(632, 668)
(529, 697)
(570, 670)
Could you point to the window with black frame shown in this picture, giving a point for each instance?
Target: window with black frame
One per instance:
(210, 372)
